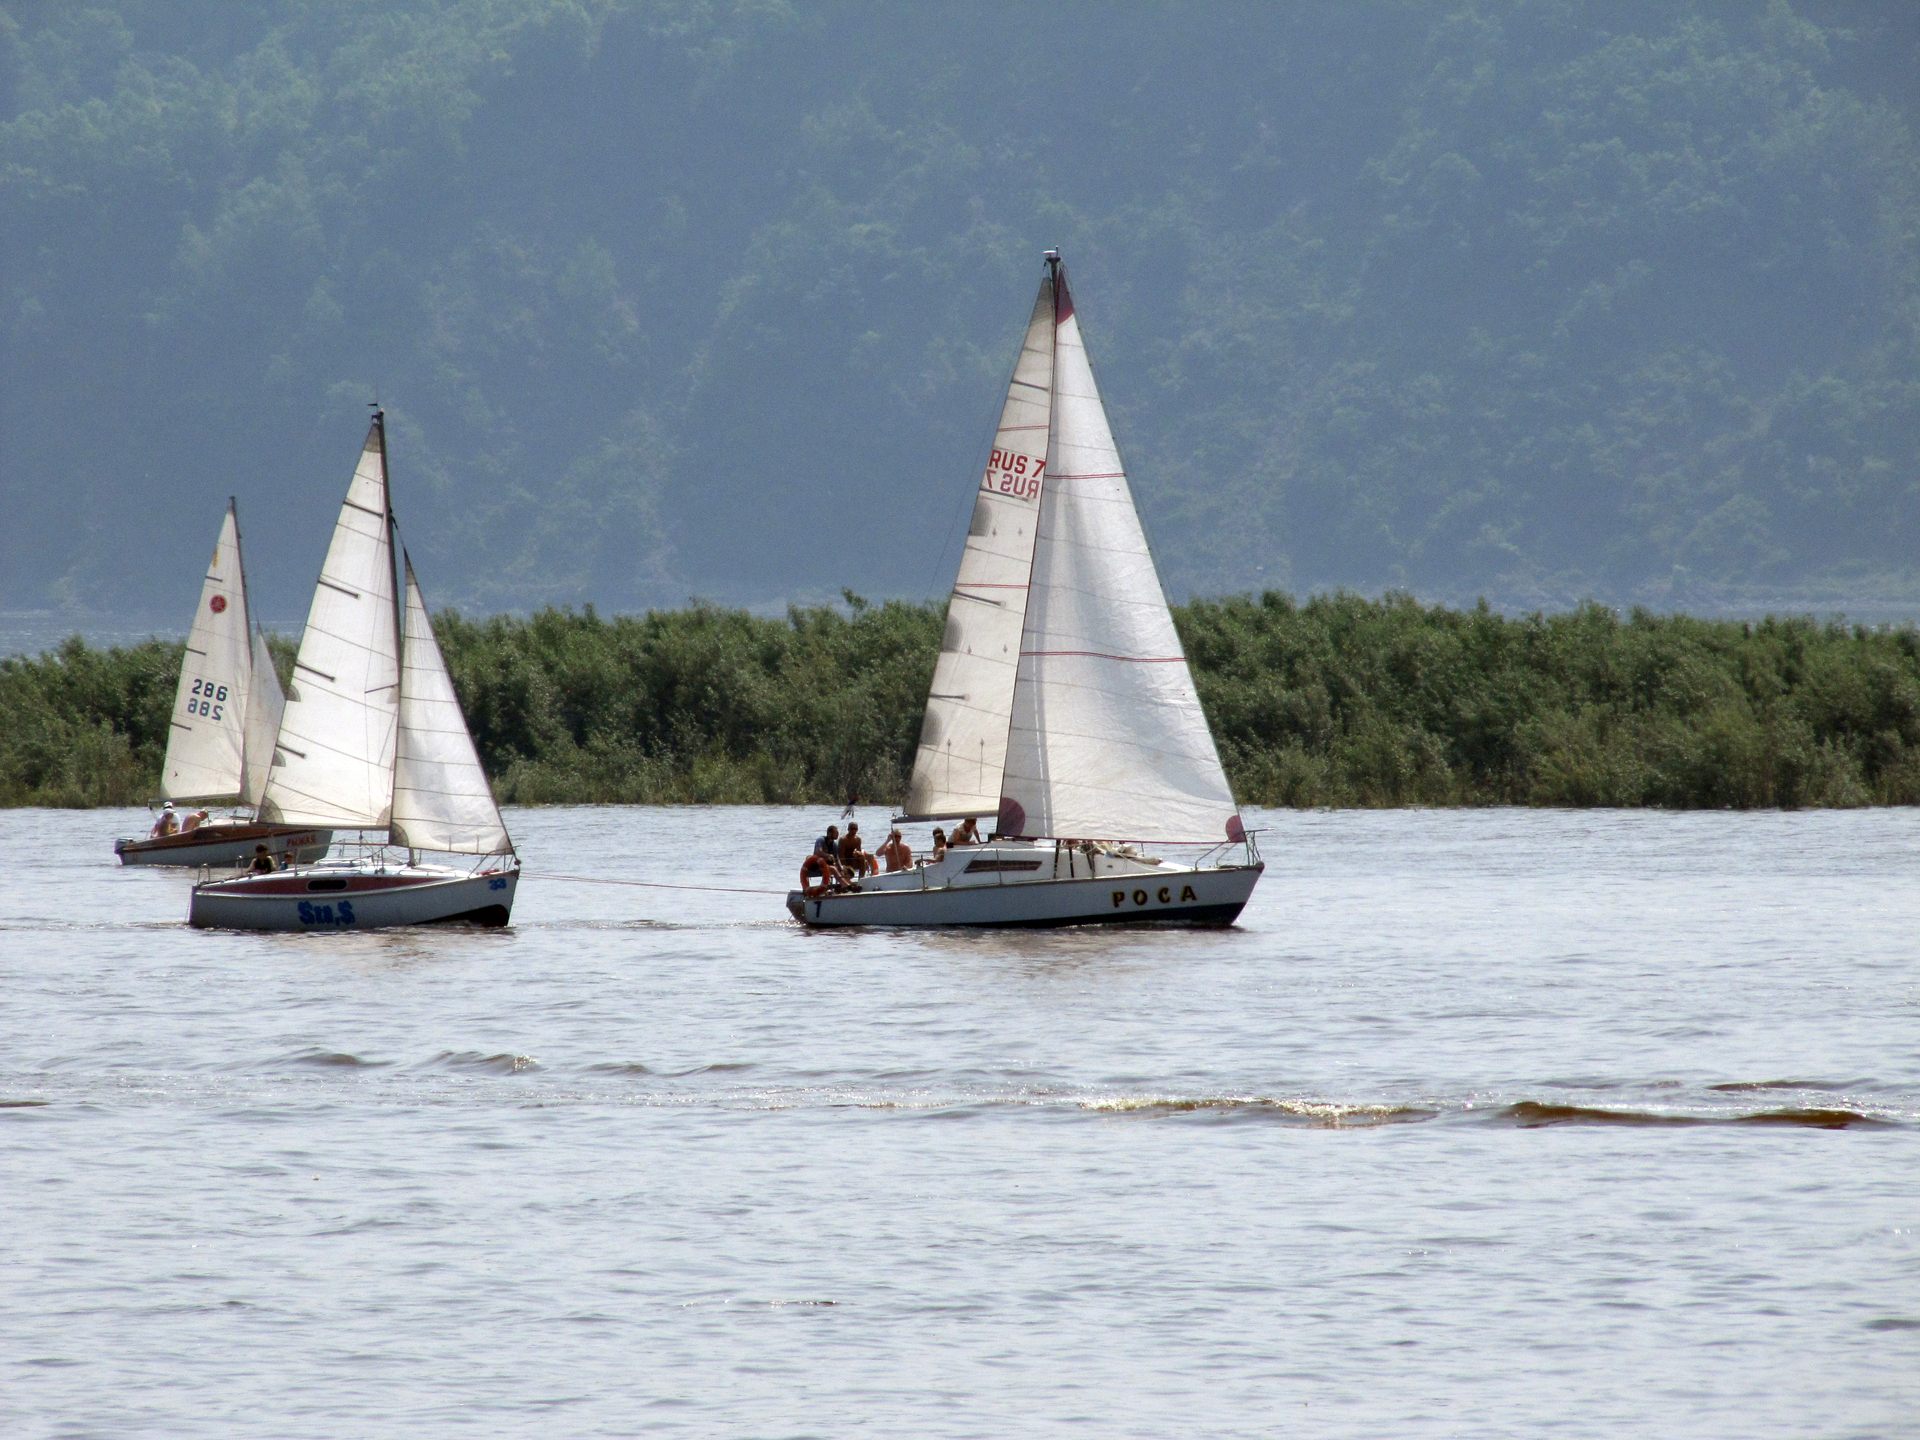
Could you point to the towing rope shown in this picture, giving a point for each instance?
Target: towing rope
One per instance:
(644, 884)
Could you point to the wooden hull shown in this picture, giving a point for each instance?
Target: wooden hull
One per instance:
(226, 843)
(1172, 897)
(363, 898)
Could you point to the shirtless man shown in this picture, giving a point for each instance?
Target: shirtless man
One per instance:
(939, 843)
(193, 822)
(854, 860)
(896, 853)
(965, 833)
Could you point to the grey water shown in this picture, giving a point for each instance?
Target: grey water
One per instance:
(1487, 1123)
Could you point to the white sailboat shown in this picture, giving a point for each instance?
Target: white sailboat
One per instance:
(1061, 705)
(373, 740)
(220, 741)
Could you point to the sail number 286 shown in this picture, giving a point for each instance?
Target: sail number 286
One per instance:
(207, 699)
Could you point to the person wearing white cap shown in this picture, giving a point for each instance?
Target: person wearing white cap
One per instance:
(166, 824)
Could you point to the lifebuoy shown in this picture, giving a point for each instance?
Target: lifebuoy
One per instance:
(814, 865)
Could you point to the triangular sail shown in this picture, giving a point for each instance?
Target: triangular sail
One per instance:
(207, 737)
(441, 799)
(1108, 740)
(963, 739)
(265, 703)
(333, 764)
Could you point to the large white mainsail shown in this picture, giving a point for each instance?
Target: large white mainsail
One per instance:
(963, 739)
(441, 799)
(333, 764)
(207, 743)
(1108, 740)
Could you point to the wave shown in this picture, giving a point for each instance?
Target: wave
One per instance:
(1314, 1114)
(1738, 1087)
(501, 1064)
(334, 1059)
(1532, 1115)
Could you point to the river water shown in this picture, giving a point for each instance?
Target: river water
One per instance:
(1491, 1123)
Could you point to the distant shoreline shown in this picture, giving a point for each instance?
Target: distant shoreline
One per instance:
(1338, 701)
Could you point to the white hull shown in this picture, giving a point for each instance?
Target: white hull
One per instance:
(221, 845)
(360, 897)
(945, 894)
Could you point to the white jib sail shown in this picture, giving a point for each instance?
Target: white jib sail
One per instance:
(333, 764)
(441, 799)
(265, 703)
(1108, 740)
(963, 739)
(206, 744)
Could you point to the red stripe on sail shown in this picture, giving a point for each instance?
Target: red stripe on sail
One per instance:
(1102, 655)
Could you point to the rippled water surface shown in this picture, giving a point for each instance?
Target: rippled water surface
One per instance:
(1480, 1124)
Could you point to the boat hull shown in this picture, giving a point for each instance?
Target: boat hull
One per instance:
(379, 900)
(226, 844)
(1181, 897)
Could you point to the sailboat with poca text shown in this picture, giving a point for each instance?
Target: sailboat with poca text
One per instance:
(373, 740)
(220, 735)
(1062, 705)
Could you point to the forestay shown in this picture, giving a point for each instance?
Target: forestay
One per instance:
(441, 799)
(1108, 740)
(333, 764)
(963, 738)
(207, 739)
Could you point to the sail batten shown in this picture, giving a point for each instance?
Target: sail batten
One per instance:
(958, 763)
(334, 758)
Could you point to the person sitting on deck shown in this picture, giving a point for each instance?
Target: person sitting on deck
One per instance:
(966, 833)
(939, 843)
(262, 861)
(896, 853)
(827, 847)
(193, 822)
(854, 859)
(166, 825)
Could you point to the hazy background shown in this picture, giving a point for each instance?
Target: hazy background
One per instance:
(1537, 300)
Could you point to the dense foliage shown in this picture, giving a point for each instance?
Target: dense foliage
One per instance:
(1340, 701)
(1540, 299)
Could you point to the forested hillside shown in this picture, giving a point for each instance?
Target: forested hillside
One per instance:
(1537, 299)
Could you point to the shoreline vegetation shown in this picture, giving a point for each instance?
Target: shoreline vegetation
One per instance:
(1339, 701)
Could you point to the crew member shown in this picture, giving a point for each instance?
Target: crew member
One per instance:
(896, 853)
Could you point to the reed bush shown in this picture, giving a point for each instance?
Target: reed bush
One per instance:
(1341, 700)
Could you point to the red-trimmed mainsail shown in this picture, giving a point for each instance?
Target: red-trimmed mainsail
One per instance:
(963, 739)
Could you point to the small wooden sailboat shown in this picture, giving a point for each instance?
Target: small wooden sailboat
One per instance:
(220, 743)
(373, 740)
(1061, 705)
